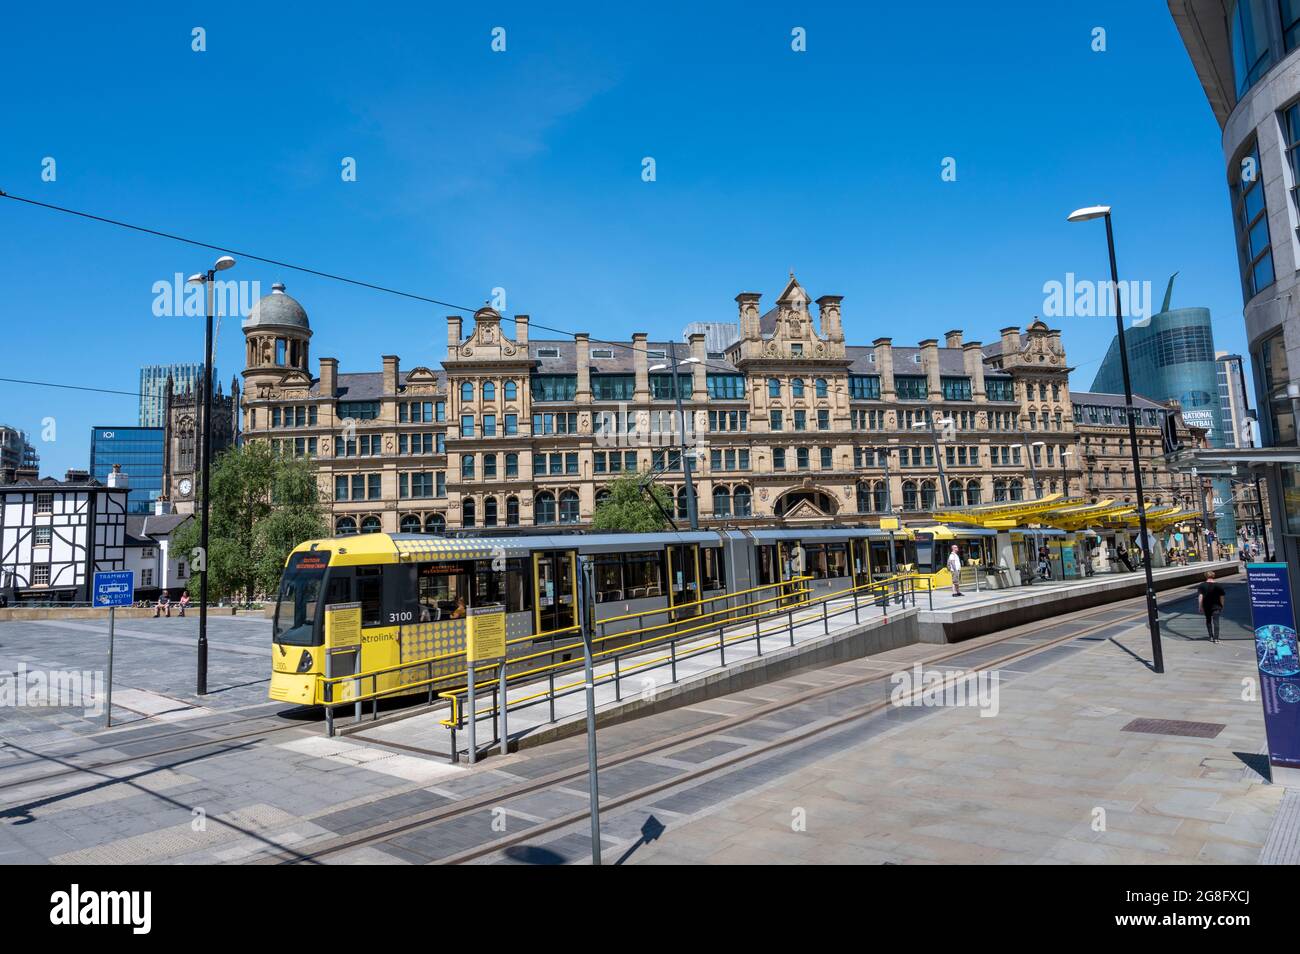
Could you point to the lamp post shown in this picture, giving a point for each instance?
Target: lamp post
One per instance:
(692, 513)
(1065, 480)
(205, 448)
(1153, 615)
(938, 456)
(1033, 467)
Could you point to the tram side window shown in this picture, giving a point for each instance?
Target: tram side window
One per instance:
(370, 594)
(508, 587)
(609, 577)
(444, 588)
(827, 561)
(712, 568)
(643, 574)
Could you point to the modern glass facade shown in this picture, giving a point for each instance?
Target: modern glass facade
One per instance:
(140, 452)
(153, 388)
(1172, 359)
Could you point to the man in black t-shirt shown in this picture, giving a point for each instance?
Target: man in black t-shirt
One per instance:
(1210, 598)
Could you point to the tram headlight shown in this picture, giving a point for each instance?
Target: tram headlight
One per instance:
(304, 661)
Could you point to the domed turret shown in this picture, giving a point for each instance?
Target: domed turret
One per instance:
(277, 336)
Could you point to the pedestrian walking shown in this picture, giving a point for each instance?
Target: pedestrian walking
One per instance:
(1210, 600)
(954, 569)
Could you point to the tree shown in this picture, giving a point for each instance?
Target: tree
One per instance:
(262, 507)
(629, 507)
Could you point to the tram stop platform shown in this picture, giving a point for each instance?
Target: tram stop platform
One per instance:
(643, 684)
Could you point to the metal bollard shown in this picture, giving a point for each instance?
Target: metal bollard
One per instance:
(758, 637)
(672, 652)
(618, 687)
(789, 615)
(826, 623)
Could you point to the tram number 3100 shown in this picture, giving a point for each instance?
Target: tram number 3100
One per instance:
(406, 616)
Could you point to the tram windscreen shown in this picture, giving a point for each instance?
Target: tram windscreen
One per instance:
(300, 590)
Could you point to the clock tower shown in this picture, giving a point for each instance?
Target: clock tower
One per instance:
(182, 424)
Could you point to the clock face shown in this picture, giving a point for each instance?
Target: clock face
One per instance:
(186, 485)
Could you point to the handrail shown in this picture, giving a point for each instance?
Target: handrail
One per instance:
(693, 633)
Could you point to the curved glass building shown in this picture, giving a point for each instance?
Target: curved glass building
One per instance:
(1172, 358)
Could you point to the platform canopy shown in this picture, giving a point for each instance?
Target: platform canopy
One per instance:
(1004, 515)
(1229, 462)
(1083, 515)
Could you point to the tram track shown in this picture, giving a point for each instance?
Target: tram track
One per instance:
(470, 805)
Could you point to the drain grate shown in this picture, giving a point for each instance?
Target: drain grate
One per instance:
(1199, 730)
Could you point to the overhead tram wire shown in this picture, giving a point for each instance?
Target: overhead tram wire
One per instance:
(302, 268)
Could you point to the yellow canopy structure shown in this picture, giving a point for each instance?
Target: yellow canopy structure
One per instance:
(1002, 515)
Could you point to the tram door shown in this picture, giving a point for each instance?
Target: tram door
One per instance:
(553, 572)
(683, 578)
(860, 556)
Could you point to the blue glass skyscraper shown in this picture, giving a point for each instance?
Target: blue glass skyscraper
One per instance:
(140, 452)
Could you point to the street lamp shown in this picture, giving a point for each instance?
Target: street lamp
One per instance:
(208, 278)
(1065, 480)
(934, 434)
(1153, 615)
(1033, 467)
(692, 513)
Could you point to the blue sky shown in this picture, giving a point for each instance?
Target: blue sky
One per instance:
(522, 169)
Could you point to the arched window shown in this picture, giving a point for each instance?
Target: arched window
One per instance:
(682, 512)
(489, 391)
(972, 493)
(434, 523)
(796, 388)
(490, 512)
(467, 390)
(741, 502)
(410, 523)
(880, 495)
(544, 508)
(773, 388)
(468, 512)
(822, 389)
(999, 491)
(1017, 489)
(512, 391)
(512, 511)
(864, 497)
(602, 495)
(927, 495)
(909, 495)
(345, 527)
(370, 525)
(955, 493)
(467, 467)
(568, 507)
(721, 502)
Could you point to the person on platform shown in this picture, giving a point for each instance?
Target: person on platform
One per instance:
(954, 569)
(1210, 600)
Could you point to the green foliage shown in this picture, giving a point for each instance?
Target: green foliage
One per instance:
(262, 507)
(630, 508)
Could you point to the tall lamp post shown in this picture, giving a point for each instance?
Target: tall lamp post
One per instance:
(1065, 480)
(1153, 614)
(692, 512)
(208, 279)
(1033, 467)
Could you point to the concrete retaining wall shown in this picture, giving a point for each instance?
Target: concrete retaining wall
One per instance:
(952, 626)
(864, 640)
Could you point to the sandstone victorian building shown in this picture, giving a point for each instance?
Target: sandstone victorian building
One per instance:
(786, 421)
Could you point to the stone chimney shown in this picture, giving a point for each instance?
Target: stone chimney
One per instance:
(749, 315)
(1010, 341)
(521, 331)
(329, 377)
(162, 507)
(952, 339)
(582, 342)
(930, 362)
(885, 366)
(26, 473)
(699, 370)
(972, 356)
(453, 335)
(642, 367)
(390, 374)
(115, 479)
(828, 314)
